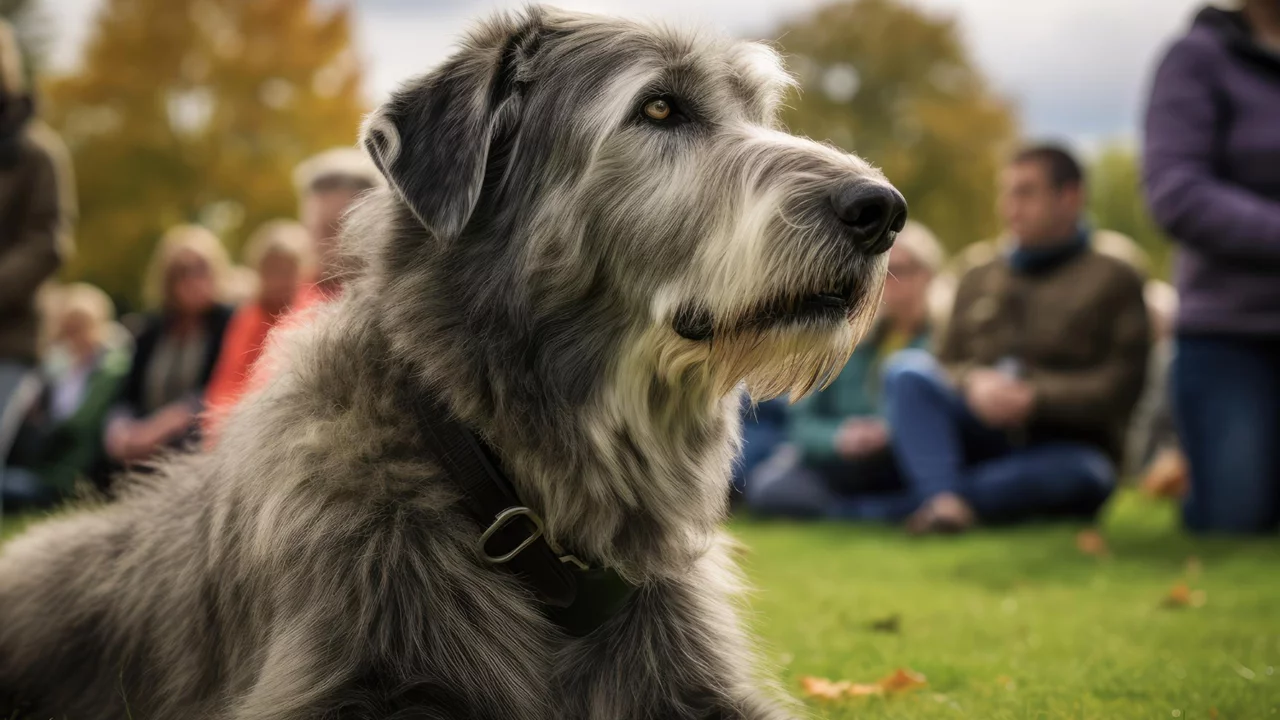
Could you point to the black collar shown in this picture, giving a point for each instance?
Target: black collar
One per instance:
(574, 595)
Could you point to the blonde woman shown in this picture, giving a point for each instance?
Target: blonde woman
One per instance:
(282, 254)
(840, 433)
(177, 348)
(85, 365)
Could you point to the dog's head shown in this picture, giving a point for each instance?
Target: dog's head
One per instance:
(607, 189)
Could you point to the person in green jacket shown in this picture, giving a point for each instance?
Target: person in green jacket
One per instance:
(839, 441)
(62, 441)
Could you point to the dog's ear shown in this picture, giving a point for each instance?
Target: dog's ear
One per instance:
(432, 138)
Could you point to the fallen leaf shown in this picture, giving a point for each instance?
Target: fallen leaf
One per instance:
(903, 679)
(1181, 595)
(823, 688)
(900, 680)
(1091, 542)
(1213, 713)
(1194, 567)
(891, 624)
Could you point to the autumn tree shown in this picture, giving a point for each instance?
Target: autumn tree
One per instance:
(1116, 202)
(197, 111)
(897, 86)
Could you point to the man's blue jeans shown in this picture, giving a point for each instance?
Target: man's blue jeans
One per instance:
(942, 447)
(1227, 406)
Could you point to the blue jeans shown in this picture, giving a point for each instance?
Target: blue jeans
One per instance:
(1227, 405)
(942, 447)
(835, 489)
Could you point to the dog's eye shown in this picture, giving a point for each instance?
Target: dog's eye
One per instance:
(657, 109)
(663, 110)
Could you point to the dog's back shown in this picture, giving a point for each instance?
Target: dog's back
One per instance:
(98, 589)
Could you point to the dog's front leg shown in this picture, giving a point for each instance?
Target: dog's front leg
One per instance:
(744, 689)
(677, 651)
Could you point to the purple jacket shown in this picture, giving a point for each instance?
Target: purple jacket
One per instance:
(1212, 174)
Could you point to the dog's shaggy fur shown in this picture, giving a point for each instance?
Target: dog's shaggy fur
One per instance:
(538, 247)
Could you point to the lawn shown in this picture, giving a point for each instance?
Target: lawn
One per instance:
(1021, 623)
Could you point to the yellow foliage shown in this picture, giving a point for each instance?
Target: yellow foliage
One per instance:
(197, 111)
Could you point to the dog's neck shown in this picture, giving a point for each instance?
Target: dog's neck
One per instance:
(626, 457)
(636, 479)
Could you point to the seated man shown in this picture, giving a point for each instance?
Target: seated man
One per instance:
(1024, 411)
(841, 439)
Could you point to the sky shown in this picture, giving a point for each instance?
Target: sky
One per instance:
(1076, 69)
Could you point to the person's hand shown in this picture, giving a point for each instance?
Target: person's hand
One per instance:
(172, 420)
(860, 437)
(998, 400)
(126, 440)
(163, 426)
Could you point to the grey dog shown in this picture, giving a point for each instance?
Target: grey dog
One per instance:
(591, 236)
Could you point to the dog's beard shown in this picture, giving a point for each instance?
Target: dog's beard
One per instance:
(772, 360)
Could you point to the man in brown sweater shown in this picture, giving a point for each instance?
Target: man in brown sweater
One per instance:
(36, 207)
(1024, 410)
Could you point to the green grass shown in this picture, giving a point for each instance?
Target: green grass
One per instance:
(1019, 623)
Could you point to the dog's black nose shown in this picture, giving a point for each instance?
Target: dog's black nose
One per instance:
(872, 212)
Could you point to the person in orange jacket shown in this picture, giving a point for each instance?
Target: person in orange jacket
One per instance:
(299, 266)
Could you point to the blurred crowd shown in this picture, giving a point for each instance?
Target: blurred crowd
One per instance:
(84, 395)
(1025, 378)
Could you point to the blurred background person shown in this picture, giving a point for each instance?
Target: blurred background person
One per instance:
(328, 184)
(282, 254)
(1024, 411)
(1212, 176)
(839, 433)
(177, 349)
(764, 431)
(61, 441)
(37, 207)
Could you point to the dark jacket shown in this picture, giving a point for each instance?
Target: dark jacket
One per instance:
(132, 393)
(37, 208)
(1080, 332)
(1212, 174)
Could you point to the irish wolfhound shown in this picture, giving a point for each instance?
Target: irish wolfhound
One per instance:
(592, 235)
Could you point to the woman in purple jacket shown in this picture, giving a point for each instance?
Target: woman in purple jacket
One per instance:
(1212, 176)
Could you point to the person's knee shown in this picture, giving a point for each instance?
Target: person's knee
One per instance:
(912, 369)
(1094, 470)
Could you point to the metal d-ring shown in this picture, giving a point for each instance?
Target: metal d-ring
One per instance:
(501, 521)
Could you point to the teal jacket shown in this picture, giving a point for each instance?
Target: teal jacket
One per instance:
(854, 393)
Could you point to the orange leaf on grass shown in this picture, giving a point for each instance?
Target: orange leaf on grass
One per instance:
(823, 688)
(900, 680)
(903, 679)
(1091, 542)
(1181, 595)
